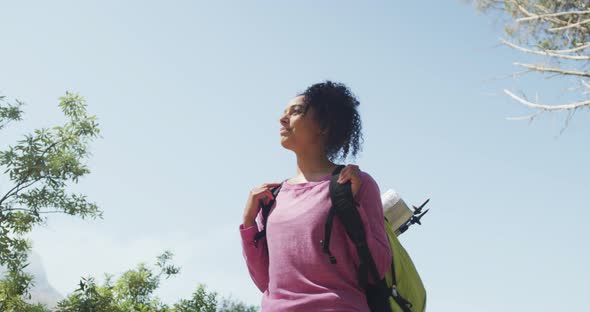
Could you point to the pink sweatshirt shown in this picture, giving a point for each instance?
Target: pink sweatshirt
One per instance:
(290, 267)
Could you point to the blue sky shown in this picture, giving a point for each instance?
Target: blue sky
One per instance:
(188, 95)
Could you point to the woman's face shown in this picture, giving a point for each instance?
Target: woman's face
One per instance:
(299, 129)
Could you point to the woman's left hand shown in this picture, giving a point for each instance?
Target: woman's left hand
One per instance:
(351, 173)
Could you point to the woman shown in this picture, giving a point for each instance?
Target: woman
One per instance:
(321, 126)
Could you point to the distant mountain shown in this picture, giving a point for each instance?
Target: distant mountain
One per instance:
(42, 292)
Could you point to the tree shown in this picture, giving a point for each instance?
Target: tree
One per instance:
(134, 292)
(231, 305)
(200, 301)
(39, 169)
(558, 31)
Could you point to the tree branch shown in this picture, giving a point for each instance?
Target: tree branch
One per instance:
(546, 11)
(523, 10)
(24, 180)
(22, 187)
(552, 70)
(576, 49)
(17, 189)
(547, 53)
(578, 24)
(548, 107)
(31, 210)
(529, 117)
(543, 16)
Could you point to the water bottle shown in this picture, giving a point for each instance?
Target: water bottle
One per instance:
(395, 210)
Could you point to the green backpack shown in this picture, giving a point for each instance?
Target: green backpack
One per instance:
(401, 290)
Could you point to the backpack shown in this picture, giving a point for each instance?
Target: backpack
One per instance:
(401, 290)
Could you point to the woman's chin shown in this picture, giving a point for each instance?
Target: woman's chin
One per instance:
(285, 142)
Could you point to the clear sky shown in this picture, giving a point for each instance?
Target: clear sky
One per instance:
(189, 93)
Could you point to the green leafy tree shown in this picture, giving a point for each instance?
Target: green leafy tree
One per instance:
(134, 291)
(555, 35)
(206, 301)
(232, 305)
(201, 300)
(90, 297)
(14, 287)
(39, 169)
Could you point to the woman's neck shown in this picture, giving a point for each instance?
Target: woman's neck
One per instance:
(311, 167)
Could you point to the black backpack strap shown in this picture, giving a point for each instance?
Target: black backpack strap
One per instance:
(327, 234)
(266, 212)
(329, 222)
(344, 207)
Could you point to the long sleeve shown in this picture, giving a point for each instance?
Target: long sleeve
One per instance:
(371, 211)
(300, 276)
(256, 256)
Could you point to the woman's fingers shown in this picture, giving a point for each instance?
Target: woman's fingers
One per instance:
(266, 197)
(264, 187)
(351, 173)
(343, 175)
(270, 185)
(263, 192)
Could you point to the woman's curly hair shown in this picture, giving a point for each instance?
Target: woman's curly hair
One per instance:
(336, 112)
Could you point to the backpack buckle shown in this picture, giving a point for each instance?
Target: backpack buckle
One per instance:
(326, 249)
(325, 246)
(394, 291)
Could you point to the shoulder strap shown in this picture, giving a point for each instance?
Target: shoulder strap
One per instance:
(266, 212)
(344, 207)
(330, 220)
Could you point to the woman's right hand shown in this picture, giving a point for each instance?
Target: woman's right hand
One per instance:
(257, 194)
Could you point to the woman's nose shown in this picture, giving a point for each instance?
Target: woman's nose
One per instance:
(283, 120)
